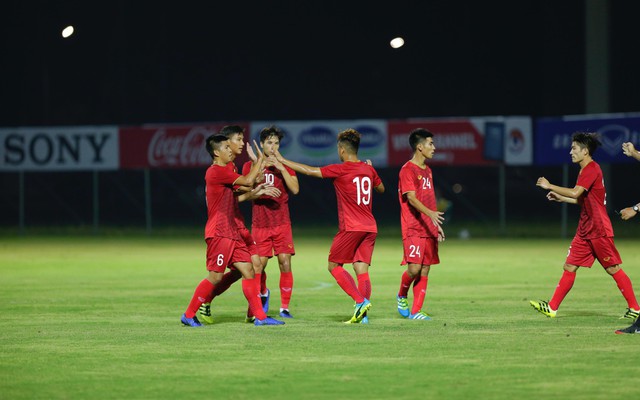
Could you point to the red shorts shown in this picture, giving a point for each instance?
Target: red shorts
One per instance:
(223, 252)
(350, 247)
(274, 240)
(248, 240)
(420, 250)
(583, 252)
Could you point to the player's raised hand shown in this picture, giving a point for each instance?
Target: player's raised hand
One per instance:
(250, 153)
(260, 155)
(278, 156)
(273, 161)
(628, 149)
(543, 183)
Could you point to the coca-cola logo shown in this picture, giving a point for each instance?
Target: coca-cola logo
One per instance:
(179, 149)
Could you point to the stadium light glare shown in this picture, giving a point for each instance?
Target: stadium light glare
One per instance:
(397, 42)
(68, 31)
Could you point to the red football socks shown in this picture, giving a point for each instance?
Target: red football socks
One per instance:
(202, 292)
(250, 288)
(565, 284)
(419, 292)
(364, 285)
(263, 282)
(346, 282)
(405, 284)
(624, 284)
(286, 288)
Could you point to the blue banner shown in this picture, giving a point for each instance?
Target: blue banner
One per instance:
(553, 137)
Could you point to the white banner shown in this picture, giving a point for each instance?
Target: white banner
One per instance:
(314, 142)
(59, 148)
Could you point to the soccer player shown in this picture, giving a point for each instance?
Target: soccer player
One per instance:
(421, 224)
(235, 135)
(627, 213)
(354, 182)
(271, 223)
(594, 236)
(225, 247)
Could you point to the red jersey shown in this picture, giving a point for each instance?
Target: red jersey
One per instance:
(594, 220)
(412, 178)
(267, 211)
(221, 202)
(236, 209)
(354, 183)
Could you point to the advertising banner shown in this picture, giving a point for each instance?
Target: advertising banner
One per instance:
(59, 148)
(466, 141)
(553, 137)
(169, 146)
(314, 142)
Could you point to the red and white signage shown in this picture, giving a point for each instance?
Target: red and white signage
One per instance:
(168, 146)
(458, 142)
(461, 141)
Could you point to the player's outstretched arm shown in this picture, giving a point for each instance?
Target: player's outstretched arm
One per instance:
(379, 188)
(260, 190)
(291, 181)
(630, 151)
(553, 196)
(573, 193)
(299, 167)
(629, 212)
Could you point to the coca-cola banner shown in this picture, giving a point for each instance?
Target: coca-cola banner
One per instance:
(466, 141)
(59, 148)
(169, 146)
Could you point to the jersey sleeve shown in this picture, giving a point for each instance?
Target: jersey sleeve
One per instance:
(406, 182)
(331, 171)
(246, 168)
(587, 177)
(290, 171)
(227, 176)
(376, 178)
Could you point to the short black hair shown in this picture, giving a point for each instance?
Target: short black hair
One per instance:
(418, 136)
(590, 140)
(213, 143)
(272, 130)
(231, 130)
(350, 140)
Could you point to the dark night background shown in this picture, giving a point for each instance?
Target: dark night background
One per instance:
(138, 62)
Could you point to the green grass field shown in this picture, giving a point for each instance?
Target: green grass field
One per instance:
(98, 317)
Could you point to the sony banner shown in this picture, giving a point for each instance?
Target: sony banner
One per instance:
(467, 141)
(314, 142)
(59, 148)
(169, 146)
(553, 137)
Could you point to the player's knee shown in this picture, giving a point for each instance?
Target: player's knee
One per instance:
(613, 269)
(285, 265)
(570, 268)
